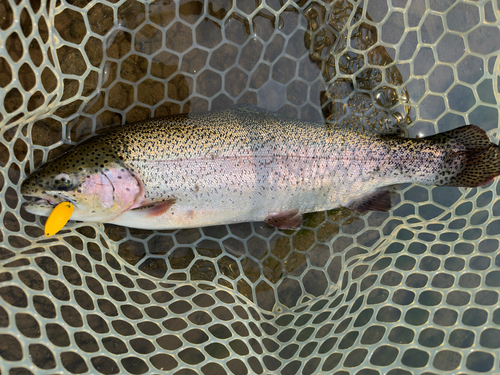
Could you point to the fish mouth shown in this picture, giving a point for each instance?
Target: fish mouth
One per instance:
(39, 206)
(43, 206)
(42, 201)
(53, 200)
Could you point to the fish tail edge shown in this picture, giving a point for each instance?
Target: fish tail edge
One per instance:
(479, 157)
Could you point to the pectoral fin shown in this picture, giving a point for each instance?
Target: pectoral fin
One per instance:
(285, 220)
(156, 209)
(379, 200)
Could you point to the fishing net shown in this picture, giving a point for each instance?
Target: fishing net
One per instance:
(411, 291)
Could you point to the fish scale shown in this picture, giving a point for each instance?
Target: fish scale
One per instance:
(247, 164)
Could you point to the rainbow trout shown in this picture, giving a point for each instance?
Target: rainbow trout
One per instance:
(245, 164)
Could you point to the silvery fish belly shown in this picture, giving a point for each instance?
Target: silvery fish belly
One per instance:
(246, 164)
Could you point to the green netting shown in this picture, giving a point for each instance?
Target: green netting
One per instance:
(411, 291)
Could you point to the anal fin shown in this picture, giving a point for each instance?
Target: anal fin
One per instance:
(379, 200)
(285, 220)
(157, 209)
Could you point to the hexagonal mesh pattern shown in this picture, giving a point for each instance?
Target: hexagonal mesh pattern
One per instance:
(410, 291)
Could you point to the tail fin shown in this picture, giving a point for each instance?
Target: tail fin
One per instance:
(473, 160)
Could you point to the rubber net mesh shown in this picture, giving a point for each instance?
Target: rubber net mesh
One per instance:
(411, 291)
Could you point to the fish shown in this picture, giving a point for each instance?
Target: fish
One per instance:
(245, 164)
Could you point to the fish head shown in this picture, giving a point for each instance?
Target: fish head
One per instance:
(92, 177)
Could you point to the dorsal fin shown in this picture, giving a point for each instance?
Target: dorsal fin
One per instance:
(252, 109)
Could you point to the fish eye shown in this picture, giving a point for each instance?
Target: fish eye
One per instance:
(62, 182)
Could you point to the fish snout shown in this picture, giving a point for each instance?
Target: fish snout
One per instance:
(28, 186)
(32, 186)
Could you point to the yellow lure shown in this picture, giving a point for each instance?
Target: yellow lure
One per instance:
(58, 218)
